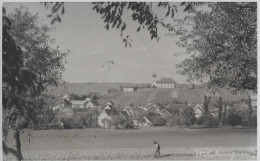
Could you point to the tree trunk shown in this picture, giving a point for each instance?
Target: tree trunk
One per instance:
(17, 144)
(250, 109)
(220, 108)
(206, 109)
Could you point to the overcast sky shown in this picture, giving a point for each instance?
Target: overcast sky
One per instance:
(92, 47)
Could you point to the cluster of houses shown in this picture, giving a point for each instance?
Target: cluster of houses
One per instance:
(108, 110)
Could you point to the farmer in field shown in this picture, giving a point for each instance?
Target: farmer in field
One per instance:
(157, 149)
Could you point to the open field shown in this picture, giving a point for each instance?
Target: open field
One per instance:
(176, 143)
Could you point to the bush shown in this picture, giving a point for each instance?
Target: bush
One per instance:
(253, 121)
(211, 121)
(188, 116)
(234, 120)
(159, 121)
(200, 120)
(174, 121)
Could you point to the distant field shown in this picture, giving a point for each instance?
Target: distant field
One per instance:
(176, 143)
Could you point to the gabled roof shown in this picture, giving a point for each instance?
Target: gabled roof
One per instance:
(95, 102)
(166, 80)
(111, 112)
(124, 113)
(199, 107)
(148, 105)
(77, 102)
(147, 119)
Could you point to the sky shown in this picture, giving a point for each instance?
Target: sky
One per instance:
(92, 47)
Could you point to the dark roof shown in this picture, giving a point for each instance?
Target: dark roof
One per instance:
(166, 81)
(171, 105)
(112, 90)
(124, 113)
(95, 102)
(111, 112)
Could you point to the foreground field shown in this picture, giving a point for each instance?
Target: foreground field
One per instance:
(176, 143)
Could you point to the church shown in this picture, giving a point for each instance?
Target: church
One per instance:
(164, 83)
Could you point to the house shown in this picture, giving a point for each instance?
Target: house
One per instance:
(128, 110)
(147, 106)
(105, 118)
(198, 110)
(111, 91)
(108, 105)
(129, 88)
(57, 107)
(92, 104)
(78, 103)
(164, 83)
(164, 113)
(146, 122)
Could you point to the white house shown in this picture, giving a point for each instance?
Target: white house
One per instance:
(78, 103)
(165, 83)
(147, 122)
(128, 88)
(105, 118)
(198, 110)
(92, 104)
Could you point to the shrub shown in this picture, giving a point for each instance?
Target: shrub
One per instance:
(188, 116)
(234, 120)
(200, 120)
(174, 121)
(211, 121)
(253, 121)
(159, 121)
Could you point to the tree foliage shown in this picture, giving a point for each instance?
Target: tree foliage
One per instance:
(29, 64)
(234, 119)
(39, 53)
(222, 46)
(141, 12)
(188, 116)
(220, 109)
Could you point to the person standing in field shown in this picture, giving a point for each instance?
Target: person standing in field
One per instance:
(157, 150)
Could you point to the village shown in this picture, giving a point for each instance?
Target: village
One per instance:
(129, 80)
(183, 107)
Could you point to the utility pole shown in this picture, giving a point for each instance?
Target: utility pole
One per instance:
(95, 125)
(29, 133)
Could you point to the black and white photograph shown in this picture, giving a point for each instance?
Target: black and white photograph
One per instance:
(125, 80)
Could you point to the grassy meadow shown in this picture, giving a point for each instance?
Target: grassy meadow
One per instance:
(110, 144)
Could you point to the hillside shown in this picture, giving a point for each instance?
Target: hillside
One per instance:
(141, 96)
(83, 88)
(165, 96)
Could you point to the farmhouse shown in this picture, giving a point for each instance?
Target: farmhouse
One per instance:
(198, 110)
(79, 103)
(165, 83)
(105, 118)
(92, 104)
(129, 88)
(146, 122)
(111, 91)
